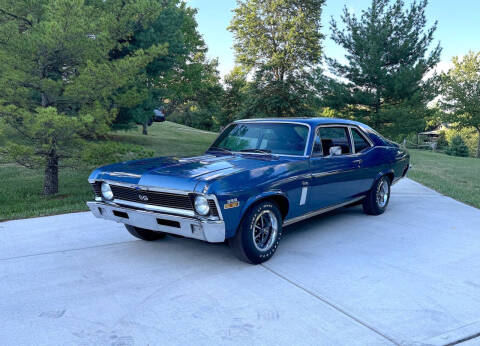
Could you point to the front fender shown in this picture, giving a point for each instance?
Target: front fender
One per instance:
(264, 195)
(233, 217)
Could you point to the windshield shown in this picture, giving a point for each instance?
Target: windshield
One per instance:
(275, 138)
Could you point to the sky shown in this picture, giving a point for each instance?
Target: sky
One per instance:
(458, 27)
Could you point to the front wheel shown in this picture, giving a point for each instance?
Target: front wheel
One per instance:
(376, 202)
(144, 234)
(259, 233)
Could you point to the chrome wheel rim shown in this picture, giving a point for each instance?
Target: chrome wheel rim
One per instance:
(265, 230)
(382, 193)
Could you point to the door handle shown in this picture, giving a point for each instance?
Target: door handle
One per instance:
(358, 162)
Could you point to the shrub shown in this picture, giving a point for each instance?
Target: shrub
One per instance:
(457, 147)
(469, 136)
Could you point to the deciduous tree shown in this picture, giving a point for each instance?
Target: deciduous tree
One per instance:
(461, 93)
(176, 78)
(279, 41)
(236, 89)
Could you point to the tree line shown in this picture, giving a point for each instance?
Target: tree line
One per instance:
(386, 79)
(73, 70)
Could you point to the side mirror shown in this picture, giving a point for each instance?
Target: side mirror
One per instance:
(335, 151)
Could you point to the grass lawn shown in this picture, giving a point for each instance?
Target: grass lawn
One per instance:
(21, 188)
(457, 177)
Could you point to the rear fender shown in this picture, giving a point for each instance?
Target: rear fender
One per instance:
(389, 171)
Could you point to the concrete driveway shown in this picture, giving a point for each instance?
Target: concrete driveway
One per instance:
(410, 277)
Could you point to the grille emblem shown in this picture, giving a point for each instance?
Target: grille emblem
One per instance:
(143, 198)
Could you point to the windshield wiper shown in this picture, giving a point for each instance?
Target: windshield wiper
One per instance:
(261, 151)
(219, 149)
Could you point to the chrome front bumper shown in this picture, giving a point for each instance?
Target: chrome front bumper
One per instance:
(190, 227)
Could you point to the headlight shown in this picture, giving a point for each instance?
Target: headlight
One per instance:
(107, 192)
(201, 205)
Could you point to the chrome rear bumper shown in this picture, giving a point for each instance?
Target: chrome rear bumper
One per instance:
(207, 230)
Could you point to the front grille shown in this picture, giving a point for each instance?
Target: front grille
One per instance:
(162, 199)
(213, 207)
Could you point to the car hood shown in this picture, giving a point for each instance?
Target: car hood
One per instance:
(181, 173)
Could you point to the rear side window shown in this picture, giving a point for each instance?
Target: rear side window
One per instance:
(334, 137)
(360, 142)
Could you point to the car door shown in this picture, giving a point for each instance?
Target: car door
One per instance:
(333, 176)
(364, 154)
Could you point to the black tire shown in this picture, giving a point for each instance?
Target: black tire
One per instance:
(144, 234)
(373, 205)
(243, 244)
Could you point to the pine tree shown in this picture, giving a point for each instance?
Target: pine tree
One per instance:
(387, 56)
(59, 86)
(457, 147)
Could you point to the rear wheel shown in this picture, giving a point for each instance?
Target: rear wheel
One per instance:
(144, 234)
(259, 233)
(376, 202)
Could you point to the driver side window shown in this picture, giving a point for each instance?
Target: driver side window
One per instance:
(328, 137)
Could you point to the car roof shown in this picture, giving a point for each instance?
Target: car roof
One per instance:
(308, 121)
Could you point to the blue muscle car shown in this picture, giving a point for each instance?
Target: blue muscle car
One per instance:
(257, 177)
